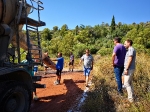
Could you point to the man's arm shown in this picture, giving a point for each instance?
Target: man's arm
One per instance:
(92, 65)
(80, 61)
(129, 62)
(54, 59)
(130, 53)
(113, 58)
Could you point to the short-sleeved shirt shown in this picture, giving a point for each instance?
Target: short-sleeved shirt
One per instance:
(60, 63)
(131, 52)
(71, 57)
(87, 60)
(120, 52)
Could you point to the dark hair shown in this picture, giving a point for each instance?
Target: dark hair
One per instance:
(129, 41)
(60, 53)
(118, 39)
(87, 50)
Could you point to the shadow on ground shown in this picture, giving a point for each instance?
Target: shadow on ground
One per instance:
(99, 100)
(59, 102)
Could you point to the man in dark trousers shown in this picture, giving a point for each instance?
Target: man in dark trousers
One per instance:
(59, 67)
(71, 63)
(118, 57)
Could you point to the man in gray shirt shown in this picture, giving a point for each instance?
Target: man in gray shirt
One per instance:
(129, 67)
(87, 65)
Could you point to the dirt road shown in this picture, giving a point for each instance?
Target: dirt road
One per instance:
(59, 98)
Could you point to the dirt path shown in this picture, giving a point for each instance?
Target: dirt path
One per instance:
(59, 98)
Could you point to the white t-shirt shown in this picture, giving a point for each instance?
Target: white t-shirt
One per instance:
(87, 60)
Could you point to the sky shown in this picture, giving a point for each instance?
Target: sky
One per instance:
(92, 12)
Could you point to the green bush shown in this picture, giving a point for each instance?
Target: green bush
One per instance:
(148, 45)
(148, 51)
(79, 50)
(93, 49)
(104, 51)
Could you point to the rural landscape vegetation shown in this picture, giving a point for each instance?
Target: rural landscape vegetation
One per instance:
(99, 39)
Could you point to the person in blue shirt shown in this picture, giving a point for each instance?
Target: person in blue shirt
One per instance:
(59, 67)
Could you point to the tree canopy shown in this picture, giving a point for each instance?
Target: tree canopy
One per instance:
(97, 38)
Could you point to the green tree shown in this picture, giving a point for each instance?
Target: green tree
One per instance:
(46, 34)
(76, 30)
(63, 30)
(97, 31)
(83, 37)
(82, 26)
(113, 25)
(97, 38)
(54, 45)
(67, 43)
(55, 28)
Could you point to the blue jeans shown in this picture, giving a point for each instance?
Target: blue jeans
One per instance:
(118, 75)
(87, 71)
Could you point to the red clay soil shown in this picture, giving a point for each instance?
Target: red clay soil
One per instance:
(59, 98)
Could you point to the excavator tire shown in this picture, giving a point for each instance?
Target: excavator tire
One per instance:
(14, 97)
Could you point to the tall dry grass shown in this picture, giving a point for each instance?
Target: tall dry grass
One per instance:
(103, 95)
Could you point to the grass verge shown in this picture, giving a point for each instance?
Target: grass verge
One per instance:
(103, 96)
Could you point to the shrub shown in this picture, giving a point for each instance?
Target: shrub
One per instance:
(103, 91)
(104, 51)
(93, 49)
(79, 50)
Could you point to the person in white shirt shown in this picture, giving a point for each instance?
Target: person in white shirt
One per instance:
(87, 65)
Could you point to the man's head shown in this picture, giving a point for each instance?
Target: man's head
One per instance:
(117, 40)
(46, 54)
(59, 54)
(128, 43)
(87, 51)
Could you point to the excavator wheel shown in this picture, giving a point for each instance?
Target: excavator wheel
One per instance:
(14, 97)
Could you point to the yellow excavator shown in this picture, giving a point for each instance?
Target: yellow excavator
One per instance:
(16, 83)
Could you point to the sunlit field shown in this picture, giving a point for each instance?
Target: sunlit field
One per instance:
(103, 95)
